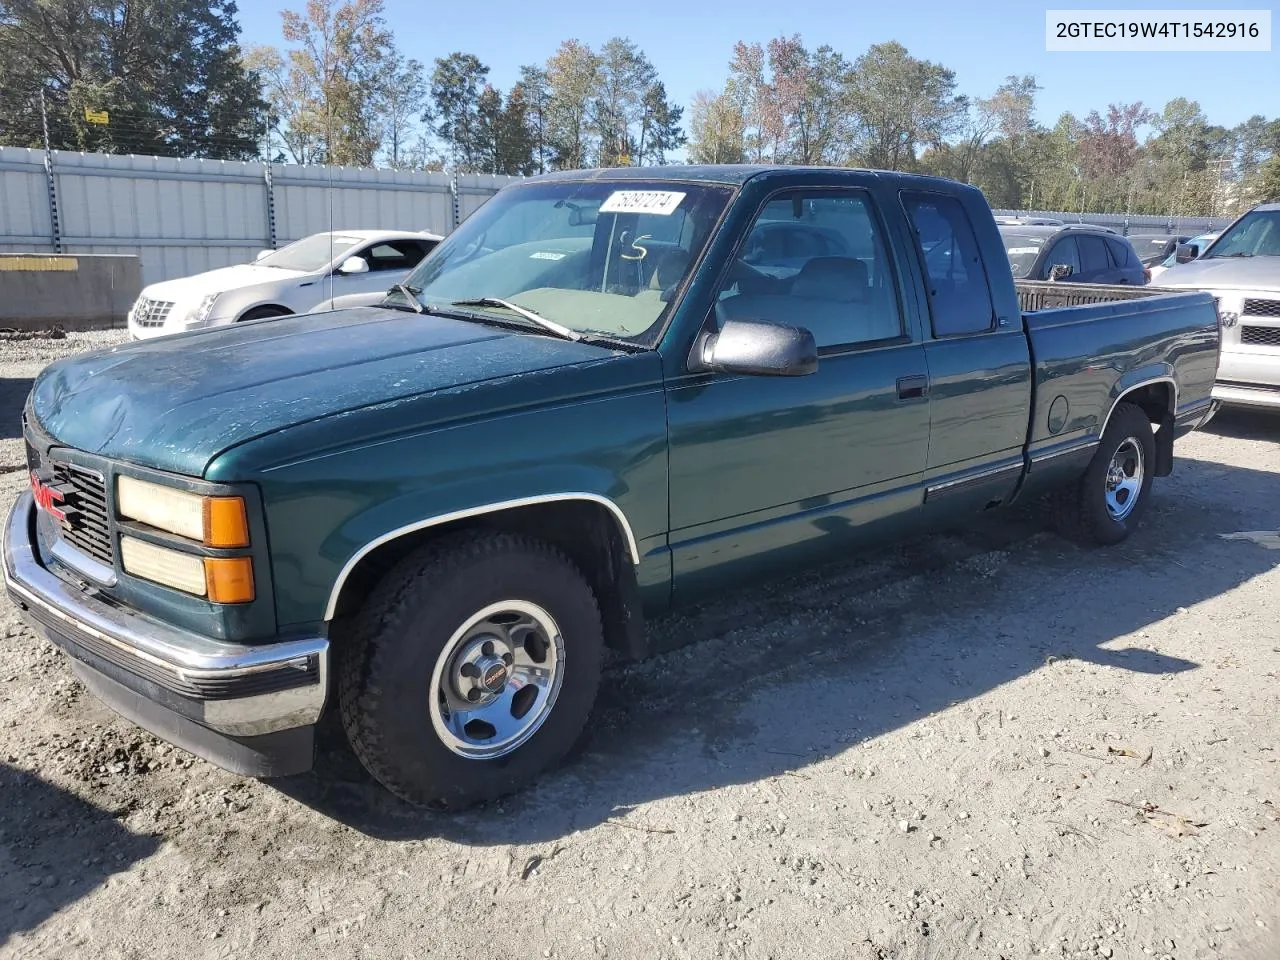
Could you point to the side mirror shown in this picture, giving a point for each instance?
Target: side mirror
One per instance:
(1060, 271)
(1186, 252)
(263, 253)
(760, 348)
(354, 265)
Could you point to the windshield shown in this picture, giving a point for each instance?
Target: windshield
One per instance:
(1022, 251)
(1256, 234)
(310, 253)
(602, 257)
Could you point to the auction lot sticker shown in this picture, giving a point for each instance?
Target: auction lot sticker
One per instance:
(1135, 31)
(661, 202)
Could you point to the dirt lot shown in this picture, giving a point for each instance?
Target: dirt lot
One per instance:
(990, 744)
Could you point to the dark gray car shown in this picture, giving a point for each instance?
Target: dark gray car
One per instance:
(1155, 247)
(1073, 253)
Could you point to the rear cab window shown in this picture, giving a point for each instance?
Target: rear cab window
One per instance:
(955, 274)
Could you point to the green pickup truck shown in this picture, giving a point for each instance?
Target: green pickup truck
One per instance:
(605, 394)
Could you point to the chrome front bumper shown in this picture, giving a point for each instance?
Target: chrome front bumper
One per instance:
(250, 709)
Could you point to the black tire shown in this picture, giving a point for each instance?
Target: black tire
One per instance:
(1080, 512)
(262, 313)
(385, 673)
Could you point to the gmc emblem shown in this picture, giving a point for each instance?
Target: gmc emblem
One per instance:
(46, 497)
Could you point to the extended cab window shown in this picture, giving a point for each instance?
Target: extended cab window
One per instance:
(815, 259)
(959, 298)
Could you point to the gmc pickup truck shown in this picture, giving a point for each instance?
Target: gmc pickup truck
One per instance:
(605, 394)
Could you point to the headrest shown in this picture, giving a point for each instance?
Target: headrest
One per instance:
(671, 267)
(843, 279)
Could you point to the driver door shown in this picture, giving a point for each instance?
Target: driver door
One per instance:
(764, 469)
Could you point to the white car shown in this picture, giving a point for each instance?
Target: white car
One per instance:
(294, 279)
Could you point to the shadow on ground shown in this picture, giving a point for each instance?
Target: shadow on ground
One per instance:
(792, 673)
(46, 836)
(13, 397)
(1244, 423)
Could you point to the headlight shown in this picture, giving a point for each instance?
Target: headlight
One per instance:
(219, 579)
(201, 313)
(212, 521)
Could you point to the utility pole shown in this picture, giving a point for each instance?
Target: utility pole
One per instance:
(55, 232)
(1218, 165)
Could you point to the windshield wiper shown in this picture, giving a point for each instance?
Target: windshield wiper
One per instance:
(536, 318)
(407, 292)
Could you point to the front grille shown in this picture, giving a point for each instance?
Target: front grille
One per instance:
(1262, 308)
(151, 313)
(1260, 336)
(85, 504)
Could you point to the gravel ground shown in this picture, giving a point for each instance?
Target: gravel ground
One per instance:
(989, 744)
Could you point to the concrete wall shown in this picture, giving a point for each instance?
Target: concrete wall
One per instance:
(74, 292)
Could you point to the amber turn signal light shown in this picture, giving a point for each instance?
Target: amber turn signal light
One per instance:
(226, 523)
(229, 579)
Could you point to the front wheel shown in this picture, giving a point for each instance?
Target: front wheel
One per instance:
(473, 668)
(1107, 502)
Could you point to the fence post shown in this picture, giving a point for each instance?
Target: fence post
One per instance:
(55, 228)
(271, 204)
(455, 209)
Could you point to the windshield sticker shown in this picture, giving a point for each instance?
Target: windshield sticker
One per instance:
(660, 202)
(546, 255)
(1014, 251)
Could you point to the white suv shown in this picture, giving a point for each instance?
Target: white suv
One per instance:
(294, 279)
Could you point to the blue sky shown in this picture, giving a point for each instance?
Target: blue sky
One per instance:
(690, 45)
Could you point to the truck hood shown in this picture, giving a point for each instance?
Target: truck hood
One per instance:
(1225, 273)
(222, 280)
(175, 403)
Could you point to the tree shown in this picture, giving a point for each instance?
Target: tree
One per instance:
(1268, 183)
(535, 92)
(456, 85)
(327, 90)
(572, 76)
(808, 99)
(623, 76)
(717, 129)
(401, 102)
(167, 72)
(504, 144)
(659, 126)
(901, 104)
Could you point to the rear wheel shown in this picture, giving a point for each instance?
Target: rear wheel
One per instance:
(473, 669)
(1108, 501)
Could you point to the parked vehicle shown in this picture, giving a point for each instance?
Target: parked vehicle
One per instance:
(1197, 245)
(1028, 221)
(1072, 253)
(595, 400)
(292, 279)
(1154, 247)
(1241, 268)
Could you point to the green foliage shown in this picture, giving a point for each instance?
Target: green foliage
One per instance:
(172, 78)
(168, 73)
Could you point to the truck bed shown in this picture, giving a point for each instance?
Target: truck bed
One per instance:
(1034, 295)
(1090, 343)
